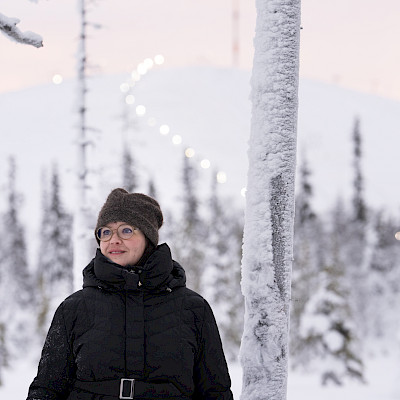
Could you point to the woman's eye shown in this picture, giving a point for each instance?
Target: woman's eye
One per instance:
(127, 230)
(105, 232)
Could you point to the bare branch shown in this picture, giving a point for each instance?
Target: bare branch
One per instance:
(9, 27)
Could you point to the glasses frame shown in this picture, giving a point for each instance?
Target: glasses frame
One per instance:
(116, 230)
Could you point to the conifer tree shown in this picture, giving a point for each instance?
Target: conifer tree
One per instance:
(152, 189)
(222, 266)
(383, 283)
(190, 231)
(16, 291)
(357, 243)
(304, 211)
(129, 177)
(3, 321)
(328, 326)
(55, 263)
(3, 350)
(359, 206)
(308, 257)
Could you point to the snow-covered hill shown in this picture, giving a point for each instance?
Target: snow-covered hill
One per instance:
(210, 109)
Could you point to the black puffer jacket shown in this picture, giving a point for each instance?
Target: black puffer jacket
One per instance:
(133, 323)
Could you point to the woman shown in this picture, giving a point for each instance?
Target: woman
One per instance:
(134, 331)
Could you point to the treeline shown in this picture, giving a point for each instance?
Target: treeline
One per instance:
(204, 235)
(345, 280)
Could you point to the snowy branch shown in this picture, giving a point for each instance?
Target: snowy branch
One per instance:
(9, 27)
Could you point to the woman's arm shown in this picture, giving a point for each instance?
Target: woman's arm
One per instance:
(56, 369)
(211, 374)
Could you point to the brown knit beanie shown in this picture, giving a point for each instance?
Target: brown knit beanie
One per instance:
(135, 209)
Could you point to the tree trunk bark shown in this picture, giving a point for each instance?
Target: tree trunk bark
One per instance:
(269, 219)
(82, 232)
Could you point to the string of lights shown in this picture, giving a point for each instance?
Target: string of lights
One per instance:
(127, 89)
(164, 129)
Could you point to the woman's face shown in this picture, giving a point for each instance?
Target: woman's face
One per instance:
(123, 251)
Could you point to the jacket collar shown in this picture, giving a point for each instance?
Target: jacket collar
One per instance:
(159, 273)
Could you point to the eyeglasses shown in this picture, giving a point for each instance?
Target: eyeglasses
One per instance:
(123, 231)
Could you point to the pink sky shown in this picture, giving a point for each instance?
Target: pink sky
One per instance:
(353, 43)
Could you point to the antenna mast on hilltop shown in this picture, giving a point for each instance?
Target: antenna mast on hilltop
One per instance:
(235, 33)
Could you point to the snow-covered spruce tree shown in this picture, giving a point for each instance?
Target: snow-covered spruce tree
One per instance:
(383, 285)
(269, 217)
(222, 270)
(308, 257)
(3, 350)
(16, 291)
(55, 268)
(4, 354)
(359, 206)
(189, 233)
(327, 325)
(152, 191)
(129, 178)
(358, 236)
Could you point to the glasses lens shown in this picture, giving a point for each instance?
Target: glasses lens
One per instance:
(104, 233)
(125, 231)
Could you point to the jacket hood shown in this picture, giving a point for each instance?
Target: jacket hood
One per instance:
(159, 273)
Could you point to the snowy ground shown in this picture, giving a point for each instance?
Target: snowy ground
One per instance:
(383, 375)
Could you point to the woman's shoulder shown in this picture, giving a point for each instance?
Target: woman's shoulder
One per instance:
(73, 302)
(196, 303)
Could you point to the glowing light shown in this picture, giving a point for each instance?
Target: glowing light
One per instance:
(142, 69)
(205, 163)
(189, 152)
(140, 110)
(164, 129)
(243, 192)
(130, 99)
(151, 121)
(148, 62)
(159, 59)
(397, 235)
(177, 139)
(124, 87)
(57, 79)
(135, 76)
(221, 177)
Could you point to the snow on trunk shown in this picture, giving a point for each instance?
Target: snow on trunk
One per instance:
(82, 232)
(269, 220)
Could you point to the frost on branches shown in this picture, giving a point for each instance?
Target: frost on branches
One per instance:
(268, 233)
(9, 27)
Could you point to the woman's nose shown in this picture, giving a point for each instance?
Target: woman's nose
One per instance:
(115, 238)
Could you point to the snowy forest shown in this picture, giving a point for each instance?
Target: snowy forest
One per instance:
(346, 272)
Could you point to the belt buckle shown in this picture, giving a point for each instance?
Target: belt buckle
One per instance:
(132, 388)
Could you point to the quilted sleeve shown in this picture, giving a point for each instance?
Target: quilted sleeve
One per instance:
(212, 381)
(56, 369)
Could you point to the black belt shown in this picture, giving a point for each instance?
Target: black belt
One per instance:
(127, 388)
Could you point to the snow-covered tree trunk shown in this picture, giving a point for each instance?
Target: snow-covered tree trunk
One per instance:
(269, 219)
(82, 232)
